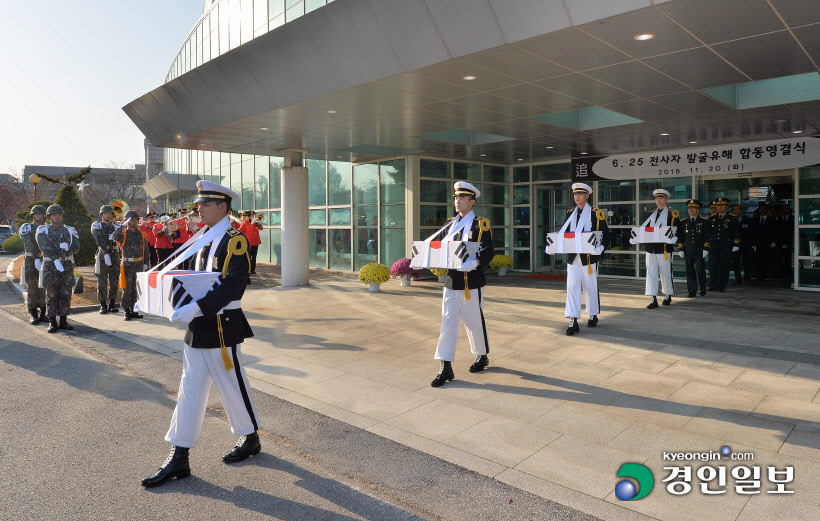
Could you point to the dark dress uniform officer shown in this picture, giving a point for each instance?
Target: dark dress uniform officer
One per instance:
(135, 258)
(724, 240)
(107, 264)
(216, 328)
(764, 231)
(35, 295)
(742, 259)
(58, 243)
(463, 301)
(692, 236)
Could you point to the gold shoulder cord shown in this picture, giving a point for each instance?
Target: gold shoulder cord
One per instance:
(601, 216)
(238, 245)
(483, 226)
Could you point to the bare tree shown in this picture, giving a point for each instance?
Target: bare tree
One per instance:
(13, 197)
(116, 181)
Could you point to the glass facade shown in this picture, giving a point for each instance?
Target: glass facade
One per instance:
(227, 24)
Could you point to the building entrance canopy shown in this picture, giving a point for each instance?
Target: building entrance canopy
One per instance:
(358, 80)
(166, 183)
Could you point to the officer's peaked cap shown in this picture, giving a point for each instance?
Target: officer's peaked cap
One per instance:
(210, 191)
(465, 188)
(581, 188)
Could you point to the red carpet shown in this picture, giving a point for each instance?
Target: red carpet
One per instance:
(544, 276)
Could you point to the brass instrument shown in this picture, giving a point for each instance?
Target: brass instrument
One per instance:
(260, 218)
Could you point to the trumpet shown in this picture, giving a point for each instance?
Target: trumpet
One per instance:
(260, 218)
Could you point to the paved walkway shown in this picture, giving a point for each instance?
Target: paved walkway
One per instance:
(553, 415)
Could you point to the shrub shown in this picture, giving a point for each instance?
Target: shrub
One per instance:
(13, 244)
(501, 261)
(77, 216)
(401, 267)
(374, 272)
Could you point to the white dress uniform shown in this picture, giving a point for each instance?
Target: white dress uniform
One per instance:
(659, 255)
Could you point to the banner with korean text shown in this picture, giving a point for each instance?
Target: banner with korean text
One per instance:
(759, 156)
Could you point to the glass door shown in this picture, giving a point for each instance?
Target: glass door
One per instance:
(544, 224)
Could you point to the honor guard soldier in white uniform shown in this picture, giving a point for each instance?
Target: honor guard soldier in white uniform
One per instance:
(463, 299)
(58, 243)
(216, 328)
(107, 265)
(659, 254)
(582, 269)
(35, 295)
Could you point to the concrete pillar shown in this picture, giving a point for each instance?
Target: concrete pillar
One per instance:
(295, 236)
(412, 206)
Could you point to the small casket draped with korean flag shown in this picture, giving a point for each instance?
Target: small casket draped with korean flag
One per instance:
(442, 254)
(565, 242)
(653, 231)
(161, 293)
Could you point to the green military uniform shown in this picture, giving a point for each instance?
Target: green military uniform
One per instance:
(35, 295)
(107, 265)
(693, 234)
(58, 244)
(724, 235)
(135, 251)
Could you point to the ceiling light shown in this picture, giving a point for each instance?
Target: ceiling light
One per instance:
(692, 142)
(643, 36)
(263, 128)
(331, 111)
(550, 148)
(520, 158)
(664, 133)
(483, 155)
(797, 131)
(780, 121)
(584, 153)
(469, 78)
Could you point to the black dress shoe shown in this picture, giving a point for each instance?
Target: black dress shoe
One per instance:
(480, 363)
(703, 293)
(667, 301)
(112, 306)
(134, 314)
(35, 318)
(103, 308)
(593, 321)
(445, 373)
(53, 327)
(245, 448)
(573, 327)
(690, 295)
(64, 324)
(175, 466)
(653, 303)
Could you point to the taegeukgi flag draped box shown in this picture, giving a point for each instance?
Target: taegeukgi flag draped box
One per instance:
(565, 242)
(442, 254)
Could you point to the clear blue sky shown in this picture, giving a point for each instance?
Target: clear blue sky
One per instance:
(68, 68)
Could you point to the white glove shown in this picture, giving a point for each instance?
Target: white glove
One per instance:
(64, 246)
(186, 313)
(38, 264)
(735, 248)
(469, 265)
(58, 265)
(633, 240)
(705, 253)
(598, 249)
(110, 236)
(680, 254)
(773, 244)
(107, 259)
(144, 267)
(754, 249)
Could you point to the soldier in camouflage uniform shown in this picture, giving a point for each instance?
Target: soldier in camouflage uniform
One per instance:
(35, 296)
(58, 243)
(135, 251)
(107, 265)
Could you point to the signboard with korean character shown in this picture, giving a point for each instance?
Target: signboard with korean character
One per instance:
(760, 156)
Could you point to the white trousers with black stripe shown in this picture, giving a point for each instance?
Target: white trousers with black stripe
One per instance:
(655, 264)
(200, 367)
(579, 278)
(455, 310)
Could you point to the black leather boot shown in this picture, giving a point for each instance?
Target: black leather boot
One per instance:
(35, 318)
(127, 314)
(53, 327)
(445, 373)
(573, 327)
(64, 324)
(112, 306)
(653, 303)
(245, 448)
(176, 466)
(593, 321)
(480, 363)
(103, 307)
(43, 317)
(134, 314)
(667, 300)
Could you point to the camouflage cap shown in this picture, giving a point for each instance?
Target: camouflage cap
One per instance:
(54, 208)
(130, 214)
(37, 208)
(106, 208)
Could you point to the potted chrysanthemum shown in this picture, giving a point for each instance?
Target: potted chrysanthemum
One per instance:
(440, 273)
(401, 270)
(502, 263)
(374, 274)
